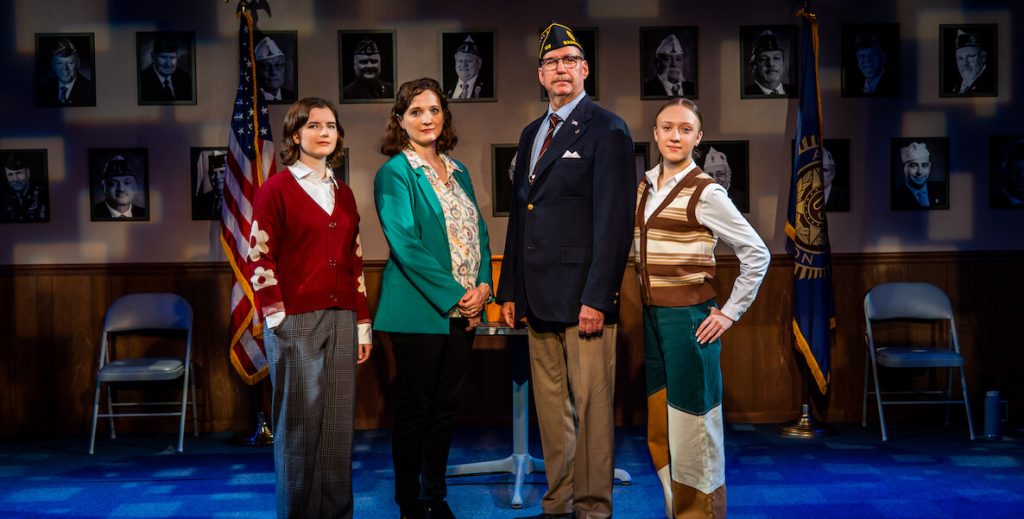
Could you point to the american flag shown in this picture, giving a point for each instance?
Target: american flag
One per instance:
(250, 160)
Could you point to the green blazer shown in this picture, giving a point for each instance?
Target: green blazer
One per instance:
(418, 289)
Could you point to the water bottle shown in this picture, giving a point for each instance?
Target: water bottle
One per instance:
(993, 416)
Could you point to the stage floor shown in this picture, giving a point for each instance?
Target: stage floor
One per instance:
(922, 471)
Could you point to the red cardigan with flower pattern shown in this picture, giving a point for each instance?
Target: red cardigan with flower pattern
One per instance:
(302, 259)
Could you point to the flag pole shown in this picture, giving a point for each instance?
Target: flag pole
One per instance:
(807, 240)
(262, 433)
(805, 425)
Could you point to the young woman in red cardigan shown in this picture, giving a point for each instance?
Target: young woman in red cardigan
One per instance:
(307, 275)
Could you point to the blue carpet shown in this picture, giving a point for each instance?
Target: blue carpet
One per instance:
(934, 473)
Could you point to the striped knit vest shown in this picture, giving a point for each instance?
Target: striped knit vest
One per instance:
(675, 255)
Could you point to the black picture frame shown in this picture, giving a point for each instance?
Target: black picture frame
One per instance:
(651, 83)
(285, 84)
(162, 56)
(342, 170)
(74, 54)
(378, 90)
(871, 48)
(737, 180)
(836, 156)
(1006, 171)
(587, 37)
(503, 163)
(979, 42)
(484, 85)
(205, 195)
(136, 162)
(788, 43)
(937, 179)
(25, 193)
(641, 158)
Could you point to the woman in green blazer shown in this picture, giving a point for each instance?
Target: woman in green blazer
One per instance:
(436, 283)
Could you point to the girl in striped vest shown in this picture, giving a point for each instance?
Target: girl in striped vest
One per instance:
(681, 215)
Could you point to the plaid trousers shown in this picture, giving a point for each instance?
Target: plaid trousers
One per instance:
(312, 360)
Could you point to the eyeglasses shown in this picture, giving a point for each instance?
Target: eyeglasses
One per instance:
(570, 62)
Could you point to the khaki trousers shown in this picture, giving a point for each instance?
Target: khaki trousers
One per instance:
(573, 388)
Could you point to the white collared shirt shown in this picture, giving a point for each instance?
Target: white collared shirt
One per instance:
(321, 191)
(770, 92)
(668, 84)
(465, 88)
(114, 213)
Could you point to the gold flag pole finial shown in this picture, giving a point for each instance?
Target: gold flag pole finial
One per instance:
(253, 6)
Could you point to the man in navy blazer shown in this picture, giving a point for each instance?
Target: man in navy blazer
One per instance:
(569, 233)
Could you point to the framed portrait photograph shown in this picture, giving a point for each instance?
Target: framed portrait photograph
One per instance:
(367, 66)
(277, 69)
(968, 60)
(668, 62)
(642, 158)
(467, 66)
(835, 173)
(503, 165)
(25, 194)
(119, 184)
(587, 37)
(870, 65)
(65, 69)
(768, 61)
(166, 63)
(209, 169)
(728, 162)
(919, 173)
(1006, 172)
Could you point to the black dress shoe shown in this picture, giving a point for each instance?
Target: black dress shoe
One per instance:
(412, 511)
(437, 510)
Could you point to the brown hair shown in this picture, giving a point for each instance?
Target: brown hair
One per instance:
(396, 139)
(689, 105)
(296, 118)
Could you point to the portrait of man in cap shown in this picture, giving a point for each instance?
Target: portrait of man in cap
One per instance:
(727, 162)
(669, 62)
(967, 61)
(1007, 172)
(871, 60)
(118, 178)
(367, 66)
(64, 70)
(24, 197)
(276, 74)
(920, 176)
(209, 170)
(768, 56)
(467, 71)
(166, 67)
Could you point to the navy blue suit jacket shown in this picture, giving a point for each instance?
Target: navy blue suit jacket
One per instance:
(569, 233)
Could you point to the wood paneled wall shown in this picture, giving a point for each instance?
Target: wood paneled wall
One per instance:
(50, 318)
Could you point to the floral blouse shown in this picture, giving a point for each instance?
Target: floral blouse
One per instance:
(461, 218)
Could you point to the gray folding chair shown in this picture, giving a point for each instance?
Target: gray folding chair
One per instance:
(145, 313)
(912, 302)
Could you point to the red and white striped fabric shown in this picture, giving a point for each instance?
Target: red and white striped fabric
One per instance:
(250, 160)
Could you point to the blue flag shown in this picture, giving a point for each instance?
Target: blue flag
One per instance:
(806, 223)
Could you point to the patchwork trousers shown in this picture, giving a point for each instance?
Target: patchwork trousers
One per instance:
(684, 411)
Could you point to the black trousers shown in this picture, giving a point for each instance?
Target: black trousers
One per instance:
(431, 370)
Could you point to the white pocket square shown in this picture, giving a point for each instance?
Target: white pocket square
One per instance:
(570, 155)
